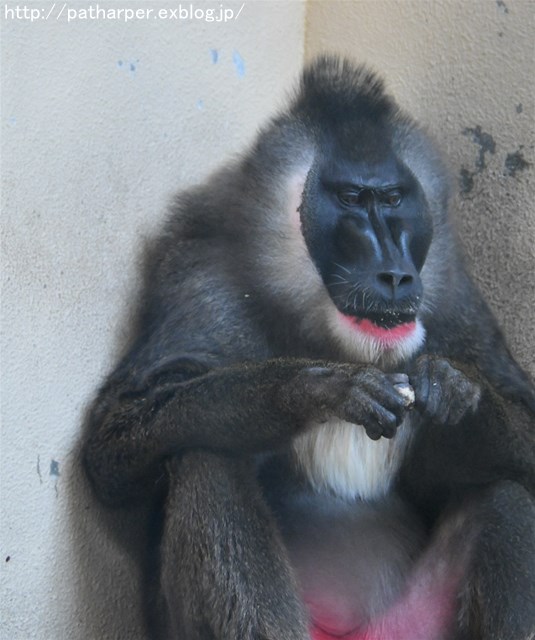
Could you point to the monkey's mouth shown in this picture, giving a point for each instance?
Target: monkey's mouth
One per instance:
(388, 327)
(388, 320)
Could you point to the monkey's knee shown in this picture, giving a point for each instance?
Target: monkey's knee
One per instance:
(508, 524)
(501, 588)
(224, 571)
(204, 509)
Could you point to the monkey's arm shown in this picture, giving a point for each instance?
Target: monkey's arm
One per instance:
(470, 334)
(245, 408)
(469, 435)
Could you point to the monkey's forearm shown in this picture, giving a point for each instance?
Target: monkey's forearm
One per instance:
(233, 409)
(243, 409)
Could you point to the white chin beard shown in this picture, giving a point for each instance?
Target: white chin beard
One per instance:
(364, 347)
(339, 457)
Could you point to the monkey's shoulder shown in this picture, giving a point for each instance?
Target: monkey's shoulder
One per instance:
(195, 297)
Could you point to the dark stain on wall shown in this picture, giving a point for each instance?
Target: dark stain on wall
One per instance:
(466, 180)
(486, 144)
(519, 108)
(501, 5)
(515, 162)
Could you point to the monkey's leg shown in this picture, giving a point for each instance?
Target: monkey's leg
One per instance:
(499, 601)
(475, 580)
(224, 573)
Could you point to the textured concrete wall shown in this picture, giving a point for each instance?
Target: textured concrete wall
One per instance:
(102, 121)
(465, 69)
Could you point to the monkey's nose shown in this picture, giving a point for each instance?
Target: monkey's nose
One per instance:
(394, 278)
(395, 282)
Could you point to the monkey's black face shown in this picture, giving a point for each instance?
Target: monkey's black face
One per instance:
(368, 230)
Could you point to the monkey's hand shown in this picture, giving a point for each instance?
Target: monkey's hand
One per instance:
(359, 394)
(443, 393)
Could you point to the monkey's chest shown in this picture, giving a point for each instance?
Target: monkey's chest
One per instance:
(339, 458)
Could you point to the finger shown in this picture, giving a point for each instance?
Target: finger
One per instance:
(366, 411)
(387, 421)
(374, 432)
(398, 378)
(466, 402)
(421, 383)
(387, 395)
(445, 410)
(457, 412)
(433, 405)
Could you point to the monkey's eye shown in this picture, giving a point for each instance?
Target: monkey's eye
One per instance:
(391, 198)
(350, 197)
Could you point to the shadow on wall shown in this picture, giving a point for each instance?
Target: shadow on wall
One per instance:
(108, 549)
(113, 549)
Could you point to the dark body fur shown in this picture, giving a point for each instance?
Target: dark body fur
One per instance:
(235, 359)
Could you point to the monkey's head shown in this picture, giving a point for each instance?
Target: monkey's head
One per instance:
(371, 202)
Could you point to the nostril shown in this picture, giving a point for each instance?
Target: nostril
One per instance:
(385, 278)
(394, 278)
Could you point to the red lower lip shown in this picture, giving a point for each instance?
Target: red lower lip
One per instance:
(381, 333)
